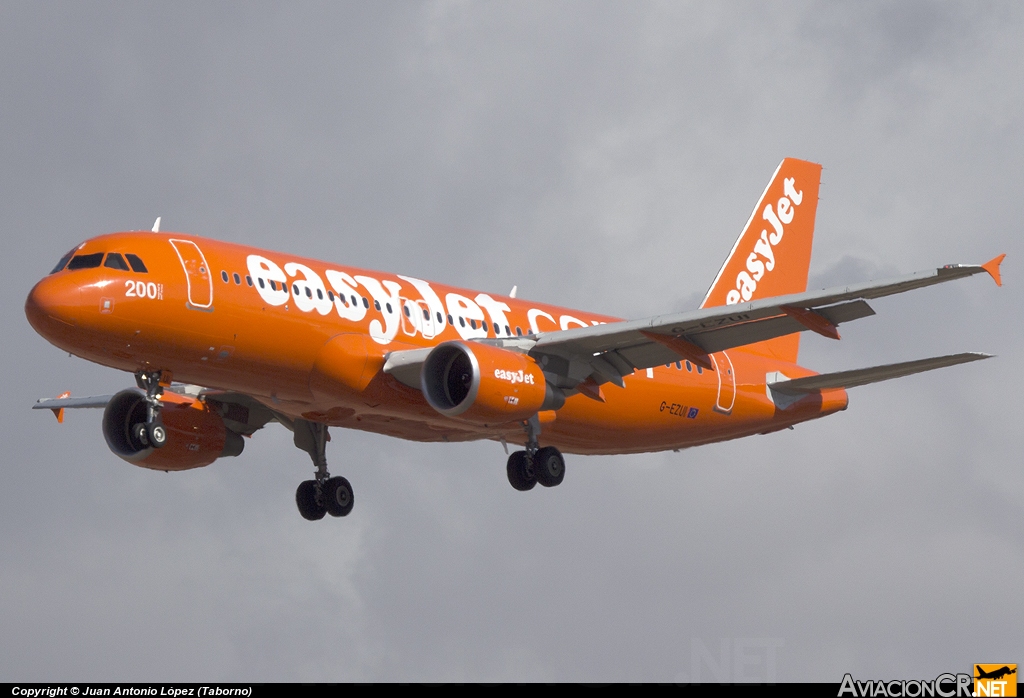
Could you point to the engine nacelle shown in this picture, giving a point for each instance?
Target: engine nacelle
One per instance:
(196, 436)
(486, 385)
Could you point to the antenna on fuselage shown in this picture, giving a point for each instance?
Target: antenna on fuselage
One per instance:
(156, 226)
(512, 293)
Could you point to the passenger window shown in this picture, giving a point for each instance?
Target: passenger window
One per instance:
(462, 321)
(376, 304)
(700, 370)
(273, 285)
(224, 276)
(366, 303)
(679, 366)
(389, 309)
(439, 318)
(405, 309)
(519, 332)
(238, 279)
(508, 332)
(248, 280)
(63, 262)
(472, 323)
(85, 261)
(688, 366)
(309, 292)
(450, 321)
(115, 261)
(137, 265)
(260, 279)
(330, 296)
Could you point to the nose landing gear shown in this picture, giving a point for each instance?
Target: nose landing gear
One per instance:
(323, 494)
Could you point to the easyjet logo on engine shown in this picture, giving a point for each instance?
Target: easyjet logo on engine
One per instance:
(762, 259)
(514, 377)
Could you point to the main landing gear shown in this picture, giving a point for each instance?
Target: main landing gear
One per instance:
(151, 433)
(544, 465)
(323, 494)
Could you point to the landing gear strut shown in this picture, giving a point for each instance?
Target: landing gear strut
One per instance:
(323, 494)
(151, 433)
(544, 465)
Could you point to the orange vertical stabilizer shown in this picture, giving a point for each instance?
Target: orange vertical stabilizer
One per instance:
(773, 253)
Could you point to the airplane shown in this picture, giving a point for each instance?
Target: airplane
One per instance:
(224, 339)
(995, 674)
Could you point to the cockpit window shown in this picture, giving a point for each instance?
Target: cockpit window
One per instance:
(85, 261)
(137, 264)
(116, 261)
(63, 262)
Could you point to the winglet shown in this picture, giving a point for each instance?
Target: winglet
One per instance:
(156, 226)
(992, 267)
(58, 412)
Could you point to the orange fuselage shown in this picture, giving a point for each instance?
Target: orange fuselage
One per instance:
(309, 339)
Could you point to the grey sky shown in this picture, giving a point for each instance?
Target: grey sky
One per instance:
(599, 155)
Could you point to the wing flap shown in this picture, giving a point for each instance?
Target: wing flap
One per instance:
(873, 374)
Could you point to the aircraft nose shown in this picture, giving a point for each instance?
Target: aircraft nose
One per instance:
(52, 305)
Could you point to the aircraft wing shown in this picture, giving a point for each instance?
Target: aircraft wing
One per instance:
(864, 376)
(60, 403)
(608, 352)
(241, 413)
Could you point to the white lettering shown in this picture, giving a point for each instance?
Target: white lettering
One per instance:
(309, 291)
(462, 307)
(346, 300)
(434, 307)
(532, 316)
(755, 266)
(389, 308)
(764, 248)
(264, 273)
(496, 310)
(769, 215)
(790, 190)
(785, 210)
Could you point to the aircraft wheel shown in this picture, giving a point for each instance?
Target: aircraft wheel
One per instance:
(156, 434)
(305, 498)
(139, 437)
(521, 473)
(550, 466)
(338, 496)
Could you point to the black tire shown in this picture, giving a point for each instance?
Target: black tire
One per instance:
(139, 437)
(549, 466)
(305, 498)
(156, 434)
(521, 473)
(338, 497)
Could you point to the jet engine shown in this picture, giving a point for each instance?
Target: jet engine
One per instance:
(486, 385)
(196, 436)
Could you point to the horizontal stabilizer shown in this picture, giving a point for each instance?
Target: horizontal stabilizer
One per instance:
(874, 374)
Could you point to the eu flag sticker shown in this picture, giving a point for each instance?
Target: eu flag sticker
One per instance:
(692, 413)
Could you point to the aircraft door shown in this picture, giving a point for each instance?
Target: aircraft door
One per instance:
(726, 382)
(427, 324)
(197, 274)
